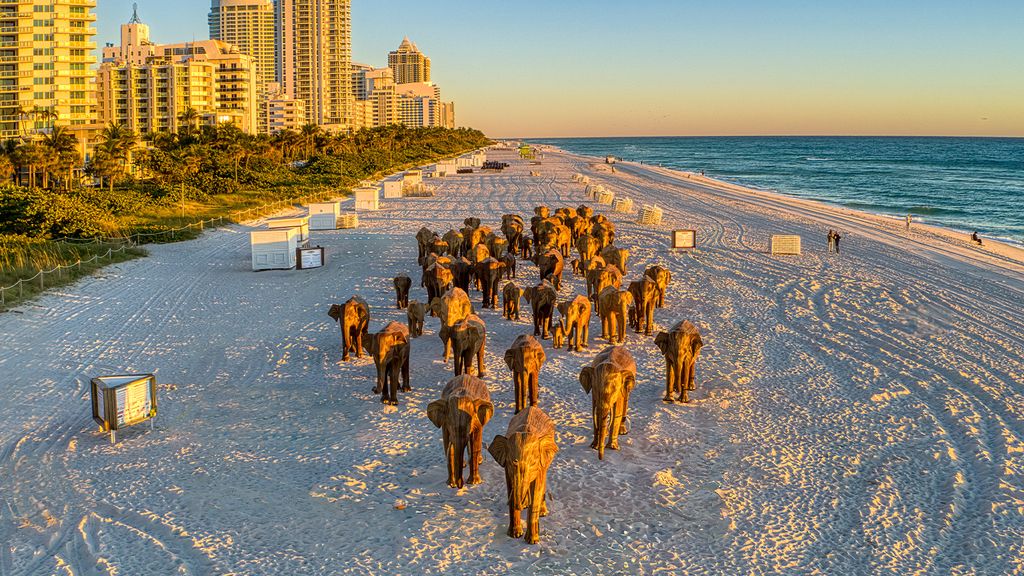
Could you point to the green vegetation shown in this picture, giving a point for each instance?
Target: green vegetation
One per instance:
(200, 173)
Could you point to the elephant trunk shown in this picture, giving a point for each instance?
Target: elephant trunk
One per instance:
(602, 431)
(460, 457)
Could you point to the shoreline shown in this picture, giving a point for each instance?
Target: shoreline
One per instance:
(923, 219)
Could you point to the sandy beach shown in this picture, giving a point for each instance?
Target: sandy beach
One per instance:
(858, 413)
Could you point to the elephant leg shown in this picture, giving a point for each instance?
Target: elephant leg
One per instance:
(359, 344)
(449, 452)
(543, 493)
(393, 385)
(447, 349)
(405, 375)
(650, 319)
(346, 343)
(533, 522)
(624, 425)
(692, 381)
(586, 334)
(616, 426)
(669, 381)
(379, 385)
(475, 443)
(515, 528)
(596, 416)
(480, 358)
(534, 388)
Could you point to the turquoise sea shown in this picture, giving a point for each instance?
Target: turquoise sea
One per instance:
(962, 183)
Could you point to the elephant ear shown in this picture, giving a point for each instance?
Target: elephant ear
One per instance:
(435, 411)
(547, 449)
(484, 412)
(629, 382)
(541, 356)
(587, 378)
(662, 341)
(335, 312)
(696, 343)
(435, 305)
(498, 449)
(510, 358)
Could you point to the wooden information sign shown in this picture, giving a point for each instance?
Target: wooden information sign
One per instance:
(684, 239)
(785, 244)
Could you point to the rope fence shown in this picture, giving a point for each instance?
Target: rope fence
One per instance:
(137, 238)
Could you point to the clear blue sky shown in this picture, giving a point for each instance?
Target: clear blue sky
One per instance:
(596, 67)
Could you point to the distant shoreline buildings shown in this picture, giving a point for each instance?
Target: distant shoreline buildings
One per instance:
(269, 65)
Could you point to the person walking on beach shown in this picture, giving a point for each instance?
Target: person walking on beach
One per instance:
(909, 220)
(835, 241)
(975, 238)
(831, 240)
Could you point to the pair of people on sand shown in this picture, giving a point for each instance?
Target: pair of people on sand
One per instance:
(833, 241)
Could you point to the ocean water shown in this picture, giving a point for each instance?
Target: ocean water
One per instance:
(962, 183)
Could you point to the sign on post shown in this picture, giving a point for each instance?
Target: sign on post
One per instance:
(684, 239)
(310, 257)
(785, 244)
(122, 401)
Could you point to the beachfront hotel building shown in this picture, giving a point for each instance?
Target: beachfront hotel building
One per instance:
(314, 59)
(375, 99)
(148, 86)
(249, 26)
(45, 65)
(410, 65)
(282, 111)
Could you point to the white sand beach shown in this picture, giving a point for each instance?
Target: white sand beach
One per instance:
(858, 413)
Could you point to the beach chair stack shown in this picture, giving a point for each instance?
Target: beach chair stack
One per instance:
(624, 205)
(605, 196)
(420, 190)
(576, 176)
(650, 215)
(348, 220)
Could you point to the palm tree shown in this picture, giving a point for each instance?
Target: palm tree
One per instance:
(6, 167)
(105, 163)
(63, 147)
(309, 132)
(189, 119)
(119, 141)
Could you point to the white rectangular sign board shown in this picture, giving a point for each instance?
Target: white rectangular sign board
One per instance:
(785, 244)
(684, 239)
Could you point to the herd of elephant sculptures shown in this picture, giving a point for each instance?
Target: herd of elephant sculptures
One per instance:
(477, 258)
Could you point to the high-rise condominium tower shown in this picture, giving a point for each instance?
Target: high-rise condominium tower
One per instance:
(315, 58)
(45, 57)
(409, 64)
(249, 25)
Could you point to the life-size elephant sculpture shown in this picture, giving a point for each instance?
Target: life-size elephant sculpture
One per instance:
(497, 246)
(587, 247)
(681, 346)
(510, 296)
(438, 246)
(551, 264)
(354, 318)
(462, 412)
(509, 259)
(428, 261)
(462, 273)
(390, 351)
(423, 239)
(451, 308)
(609, 379)
(525, 451)
(616, 256)
(525, 358)
(645, 296)
(438, 279)
(662, 277)
(601, 278)
(512, 228)
(584, 211)
(558, 336)
(542, 299)
(576, 320)
(402, 285)
(489, 272)
(454, 240)
(469, 340)
(613, 308)
(414, 315)
(604, 231)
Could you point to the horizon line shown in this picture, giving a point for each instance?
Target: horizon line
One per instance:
(1020, 137)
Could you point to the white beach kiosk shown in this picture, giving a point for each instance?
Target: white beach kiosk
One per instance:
(393, 186)
(367, 198)
(324, 215)
(274, 249)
